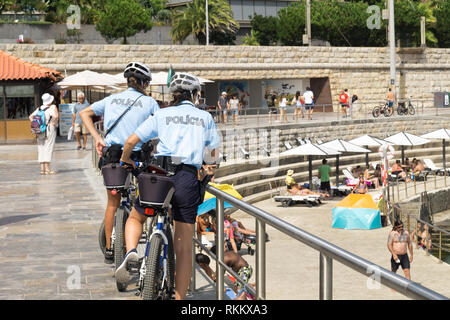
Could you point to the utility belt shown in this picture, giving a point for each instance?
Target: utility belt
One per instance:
(173, 167)
(113, 153)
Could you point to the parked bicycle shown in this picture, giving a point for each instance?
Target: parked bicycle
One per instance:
(383, 109)
(405, 108)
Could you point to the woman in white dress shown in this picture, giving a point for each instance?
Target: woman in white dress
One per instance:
(46, 142)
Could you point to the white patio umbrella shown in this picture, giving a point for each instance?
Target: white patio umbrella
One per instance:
(443, 134)
(85, 79)
(406, 139)
(310, 149)
(160, 79)
(368, 141)
(343, 146)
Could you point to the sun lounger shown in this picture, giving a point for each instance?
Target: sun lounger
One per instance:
(245, 154)
(288, 200)
(287, 145)
(341, 190)
(430, 164)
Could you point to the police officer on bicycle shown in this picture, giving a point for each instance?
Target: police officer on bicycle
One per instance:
(122, 114)
(184, 132)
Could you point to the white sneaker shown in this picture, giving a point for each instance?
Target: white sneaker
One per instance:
(122, 275)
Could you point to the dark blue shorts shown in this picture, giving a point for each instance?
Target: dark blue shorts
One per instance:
(185, 200)
(309, 106)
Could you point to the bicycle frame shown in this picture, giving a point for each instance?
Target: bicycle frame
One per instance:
(160, 228)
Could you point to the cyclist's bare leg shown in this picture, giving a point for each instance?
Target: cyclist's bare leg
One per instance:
(133, 229)
(111, 208)
(183, 234)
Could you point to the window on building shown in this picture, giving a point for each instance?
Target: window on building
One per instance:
(19, 101)
(271, 8)
(247, 9)
(236, 7)
(260, 7)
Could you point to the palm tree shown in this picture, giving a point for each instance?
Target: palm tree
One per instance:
(192, 20)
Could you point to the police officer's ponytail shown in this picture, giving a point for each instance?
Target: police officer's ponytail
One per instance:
(181, 95)
(137, 84)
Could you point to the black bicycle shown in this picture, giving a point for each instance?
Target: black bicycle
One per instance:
(405, 108)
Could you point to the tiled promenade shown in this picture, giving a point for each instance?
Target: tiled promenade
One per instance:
(49, 239)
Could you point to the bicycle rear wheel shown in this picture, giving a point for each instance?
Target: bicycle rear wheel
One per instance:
(102, 237)
(119, 239)
(170, 265)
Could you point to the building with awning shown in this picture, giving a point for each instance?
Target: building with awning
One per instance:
(21, 86)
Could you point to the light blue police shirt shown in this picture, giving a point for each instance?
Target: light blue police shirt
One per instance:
(183, 132)
(114, 105)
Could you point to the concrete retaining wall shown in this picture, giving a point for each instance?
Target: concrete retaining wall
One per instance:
(364, 71)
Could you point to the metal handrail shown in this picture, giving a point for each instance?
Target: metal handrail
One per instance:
(328, 253)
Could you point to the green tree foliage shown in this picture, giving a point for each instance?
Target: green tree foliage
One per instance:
(442, 27)
(192, 20)
(122, 19)
(265, 30)
(339, 23)
(407, 21)
(154, 6)
(250, 39)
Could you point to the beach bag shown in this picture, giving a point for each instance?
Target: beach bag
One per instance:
(38, 123)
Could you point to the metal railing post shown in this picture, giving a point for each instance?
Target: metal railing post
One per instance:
(220, 241)
(192, 282)
(406, 189)
(325, 277)
(260, 260)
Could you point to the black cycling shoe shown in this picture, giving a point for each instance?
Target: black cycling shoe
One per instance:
(109, 256)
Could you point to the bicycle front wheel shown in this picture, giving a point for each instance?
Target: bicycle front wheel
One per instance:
(154, 269)
(411, 110)
(376, 112)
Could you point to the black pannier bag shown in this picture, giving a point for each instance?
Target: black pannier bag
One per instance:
(155, 189)
(114, 176)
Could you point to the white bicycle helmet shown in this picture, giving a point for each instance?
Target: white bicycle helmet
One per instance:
(184, 81)
(138, 70)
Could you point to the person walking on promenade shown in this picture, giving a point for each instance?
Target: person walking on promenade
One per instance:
(271, 103)
(399, 242)
(297, 101)
(78, 126)
(308, 97)
(343, 101)
(235, 107)
(46, 141)
(283, 106)
(224, 106)
(183, 132)
(122, 113)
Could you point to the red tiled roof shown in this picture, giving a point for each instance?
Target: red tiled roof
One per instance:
(12, 68)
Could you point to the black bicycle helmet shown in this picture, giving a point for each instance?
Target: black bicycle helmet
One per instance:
(138, 70)
(182, 81)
